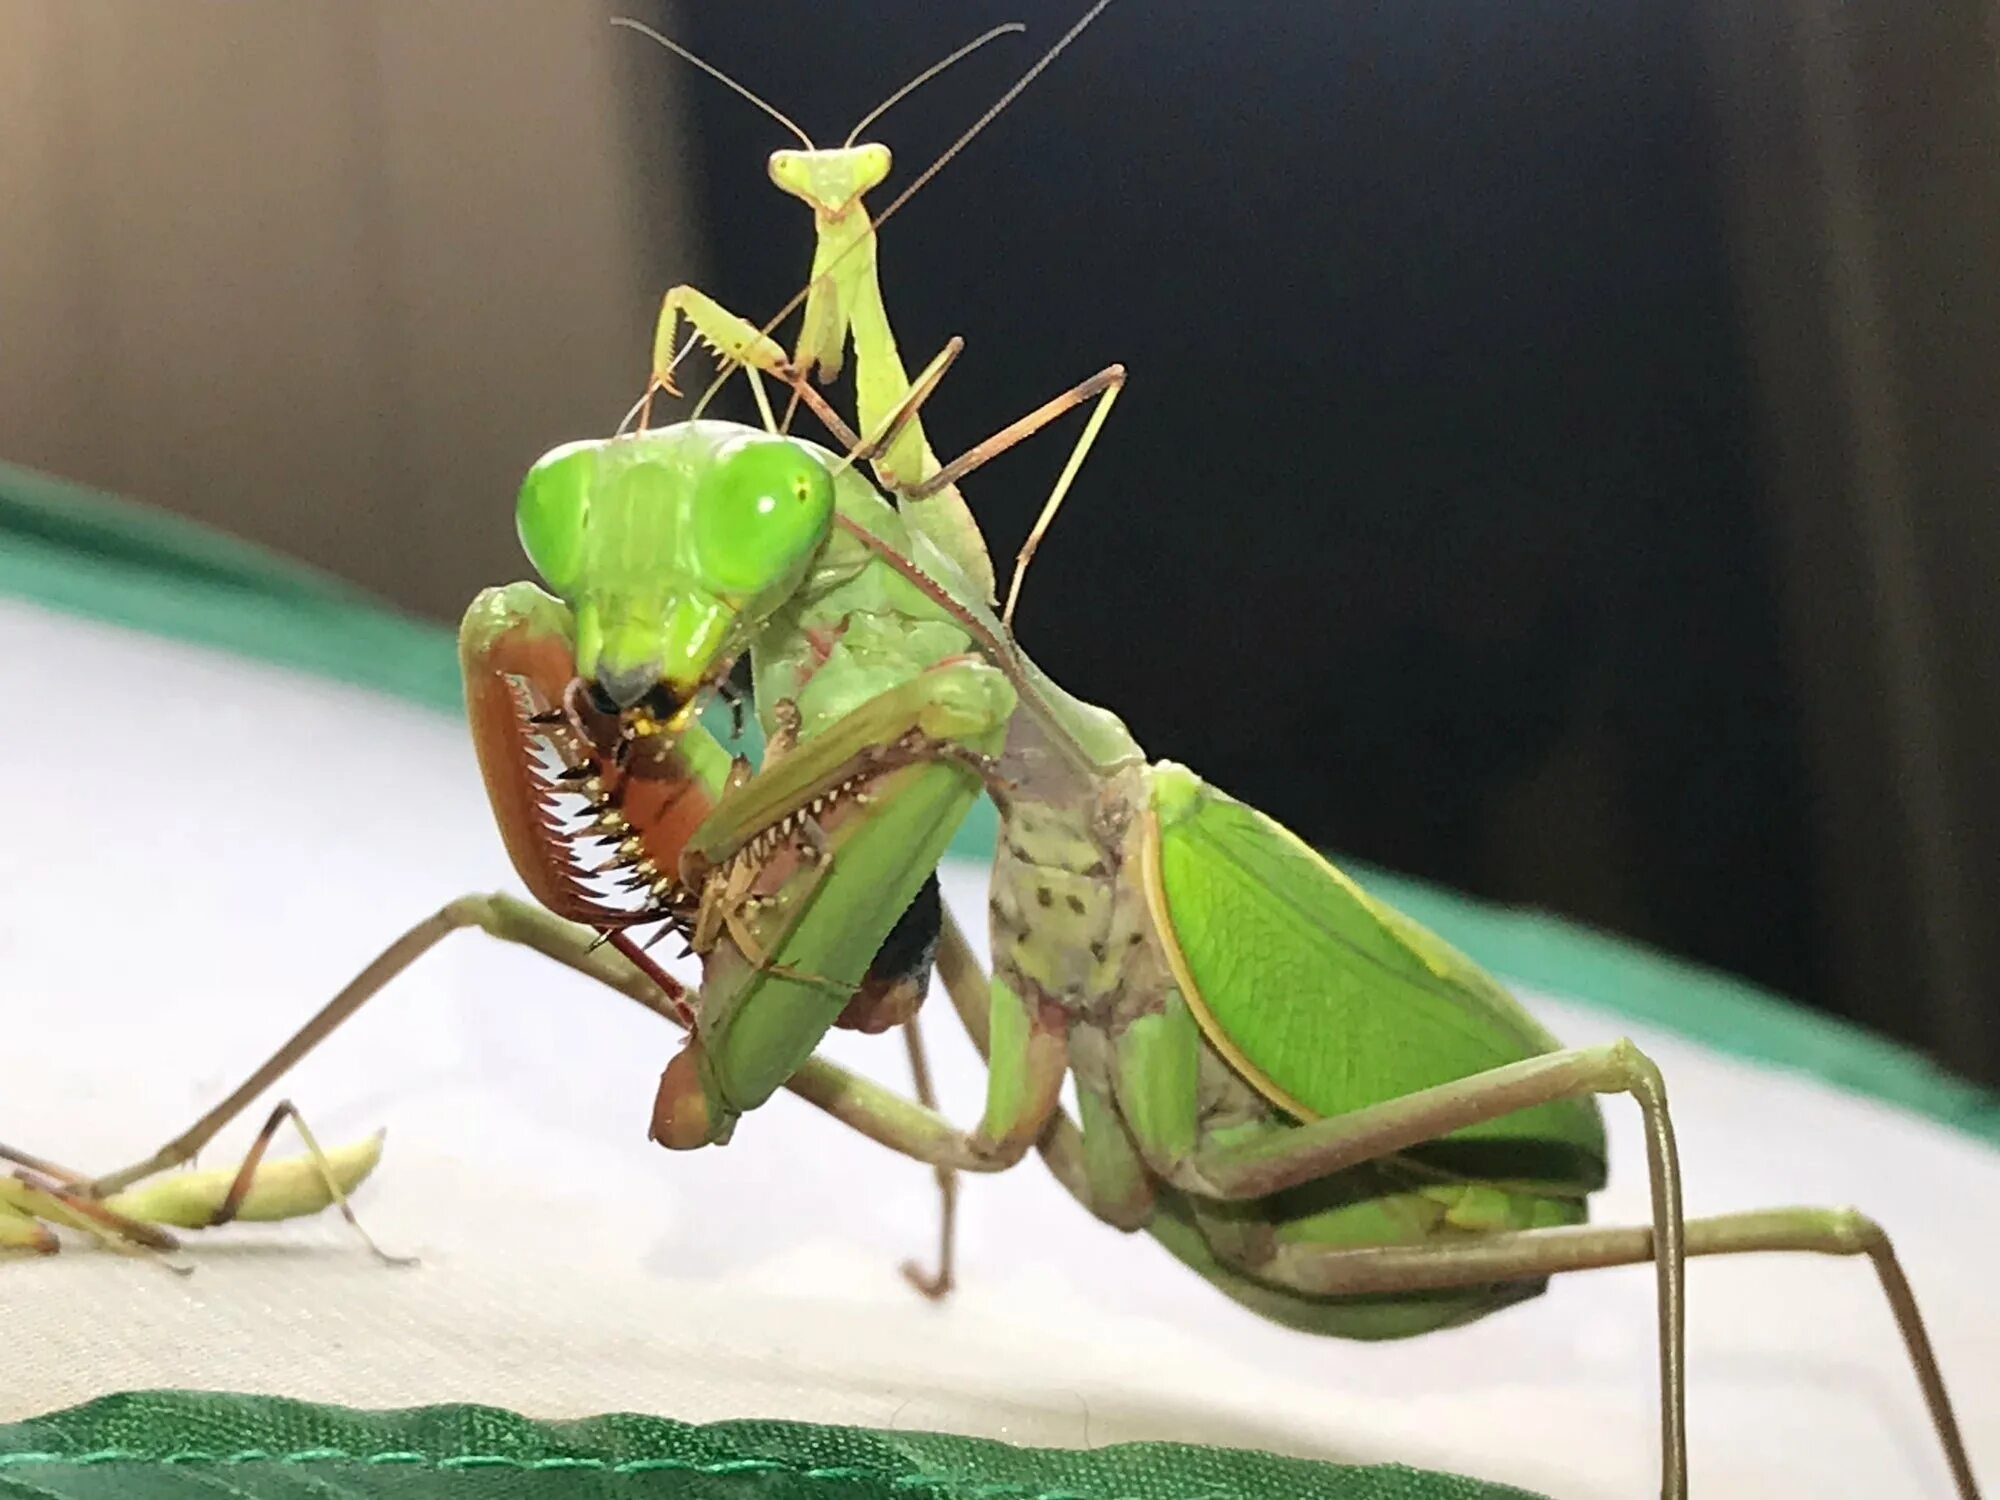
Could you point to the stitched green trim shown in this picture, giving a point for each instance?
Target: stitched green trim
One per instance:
(445, 1463)
(168, 1443)
(78, 551)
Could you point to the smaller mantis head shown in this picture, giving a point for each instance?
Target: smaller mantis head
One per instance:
(672, 546)
(831, 181)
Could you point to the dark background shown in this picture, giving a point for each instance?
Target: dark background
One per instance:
(1561, 445)
(1429, 521)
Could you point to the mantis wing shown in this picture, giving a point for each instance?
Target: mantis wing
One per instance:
(1326, 1000)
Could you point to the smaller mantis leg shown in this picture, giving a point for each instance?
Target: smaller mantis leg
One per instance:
(833, 421)
(1110, 379)
(26, 1197)
(822, 331)
(937, 1284)
(733, 338)
(906, 459)
(1056, 496)
(756, 380)
(900, 457)
(903, 415)
(1106, 383)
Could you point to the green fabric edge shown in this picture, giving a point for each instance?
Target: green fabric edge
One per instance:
(168, 1443)
(85, 553)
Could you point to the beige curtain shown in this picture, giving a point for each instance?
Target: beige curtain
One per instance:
(1863, 157)
(330, 273)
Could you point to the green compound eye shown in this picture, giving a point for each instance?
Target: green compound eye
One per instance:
(759, 513)
(549, 516)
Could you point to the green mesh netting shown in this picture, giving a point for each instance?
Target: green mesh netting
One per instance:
(159, 1444)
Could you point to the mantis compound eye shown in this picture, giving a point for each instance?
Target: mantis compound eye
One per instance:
(871, 165)
(552, 510)
(761, 511)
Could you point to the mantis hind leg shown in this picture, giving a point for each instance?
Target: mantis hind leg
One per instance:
(1316, 1151)
(1534, 1254)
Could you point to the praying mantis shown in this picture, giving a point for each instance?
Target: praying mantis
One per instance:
(1316, 1105)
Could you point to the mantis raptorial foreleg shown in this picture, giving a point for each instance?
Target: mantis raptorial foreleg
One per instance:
(898, 733)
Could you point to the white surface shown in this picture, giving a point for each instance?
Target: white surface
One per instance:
(196, 851)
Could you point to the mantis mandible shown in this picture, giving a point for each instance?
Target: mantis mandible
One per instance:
(1343, 1124)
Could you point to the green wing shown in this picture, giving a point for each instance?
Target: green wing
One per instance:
(1327, 1000)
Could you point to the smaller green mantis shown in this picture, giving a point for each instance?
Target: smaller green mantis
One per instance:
(843, 304)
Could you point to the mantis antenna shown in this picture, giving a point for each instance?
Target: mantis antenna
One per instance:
(923, 178)
(926, 76)
(785, 120)
(717, 74)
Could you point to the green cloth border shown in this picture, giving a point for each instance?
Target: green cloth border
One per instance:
(159, 1444)
(82, 552)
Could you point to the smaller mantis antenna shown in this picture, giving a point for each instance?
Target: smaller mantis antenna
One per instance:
(723, 78)
(926, 76)
(984, 120)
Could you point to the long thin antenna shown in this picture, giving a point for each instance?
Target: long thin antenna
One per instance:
(713, 72)
(926, 76)
(984, 120)
(925, 176)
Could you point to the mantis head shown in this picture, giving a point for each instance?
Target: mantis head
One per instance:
(672, 546)
(831, 181)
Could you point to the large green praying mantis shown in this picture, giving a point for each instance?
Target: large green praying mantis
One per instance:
(1309, 1100)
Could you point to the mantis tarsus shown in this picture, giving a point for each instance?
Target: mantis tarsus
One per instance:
(1342, 1123)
